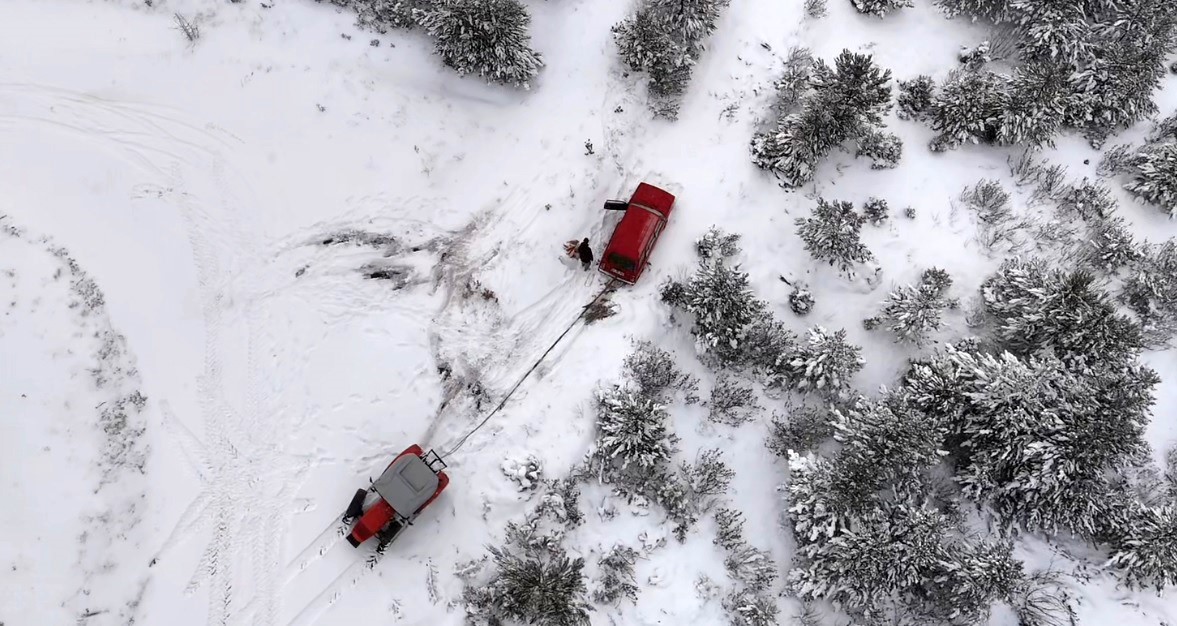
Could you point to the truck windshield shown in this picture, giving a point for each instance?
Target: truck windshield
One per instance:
(620, 262)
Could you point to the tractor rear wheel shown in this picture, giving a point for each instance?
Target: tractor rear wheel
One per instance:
(357, 505)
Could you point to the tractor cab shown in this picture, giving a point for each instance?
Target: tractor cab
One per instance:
(410, 483)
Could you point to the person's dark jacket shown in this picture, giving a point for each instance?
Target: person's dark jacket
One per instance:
(585, 252)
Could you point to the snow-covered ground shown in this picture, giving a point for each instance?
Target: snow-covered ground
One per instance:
(196, 223)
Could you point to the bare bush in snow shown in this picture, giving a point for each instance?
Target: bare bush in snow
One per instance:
(731, 403)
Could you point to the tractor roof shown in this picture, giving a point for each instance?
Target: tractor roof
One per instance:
(407, 484)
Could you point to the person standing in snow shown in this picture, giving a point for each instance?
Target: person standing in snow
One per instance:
(585, 253)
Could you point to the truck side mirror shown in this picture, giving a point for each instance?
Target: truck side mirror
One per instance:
(616, 205)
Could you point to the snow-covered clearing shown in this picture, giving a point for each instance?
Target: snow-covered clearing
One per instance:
(308, 252)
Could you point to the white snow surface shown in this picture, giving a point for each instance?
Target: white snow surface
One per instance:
(195, 184)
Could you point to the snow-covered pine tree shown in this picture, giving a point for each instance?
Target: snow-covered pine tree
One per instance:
(643, 41)
(855, 87)
(880, 7)
(968, 107)
(845, 101)
(1115, 85)
(915, 97)
(690, 22)
(632, 431)
(1037, 99)
(547, 591)
(832, 234)
(825, 363)
(1045, 474)
(884, 443)
(484, 37)
(1054, 30)
(1033, 307)
(722, 304)
(883, 149)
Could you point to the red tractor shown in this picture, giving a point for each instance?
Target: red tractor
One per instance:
(410, 483)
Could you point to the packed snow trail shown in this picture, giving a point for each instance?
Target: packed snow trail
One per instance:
(608, 288)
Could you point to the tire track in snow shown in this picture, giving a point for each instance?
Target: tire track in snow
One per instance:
(243, 475)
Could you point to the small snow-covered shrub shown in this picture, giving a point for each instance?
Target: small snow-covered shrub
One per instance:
(655, 373)
(1033, 307)
(817, 9)
(731, 403)
(915, 97)
(707, 478)
(542, 590)
(1110, 246)
(525, 473)
(875, 211)
(616, 582)
(842, 103)
(833, 235)
(488, 38)
(716, 243)
(1088, 200)
(911, 313)
(751, 566)
(384, 15)
(794, 82)
(806, 427)
(766, 350)
(826, 362)
(974, 58)
(880, 7)
(801, 300)
(1151, 290)
(968, 108)
(1146, 552)
(1153, 176)
(729, 529)
(909, 213)
(749, 608)
(692, 490)
(883, 149)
